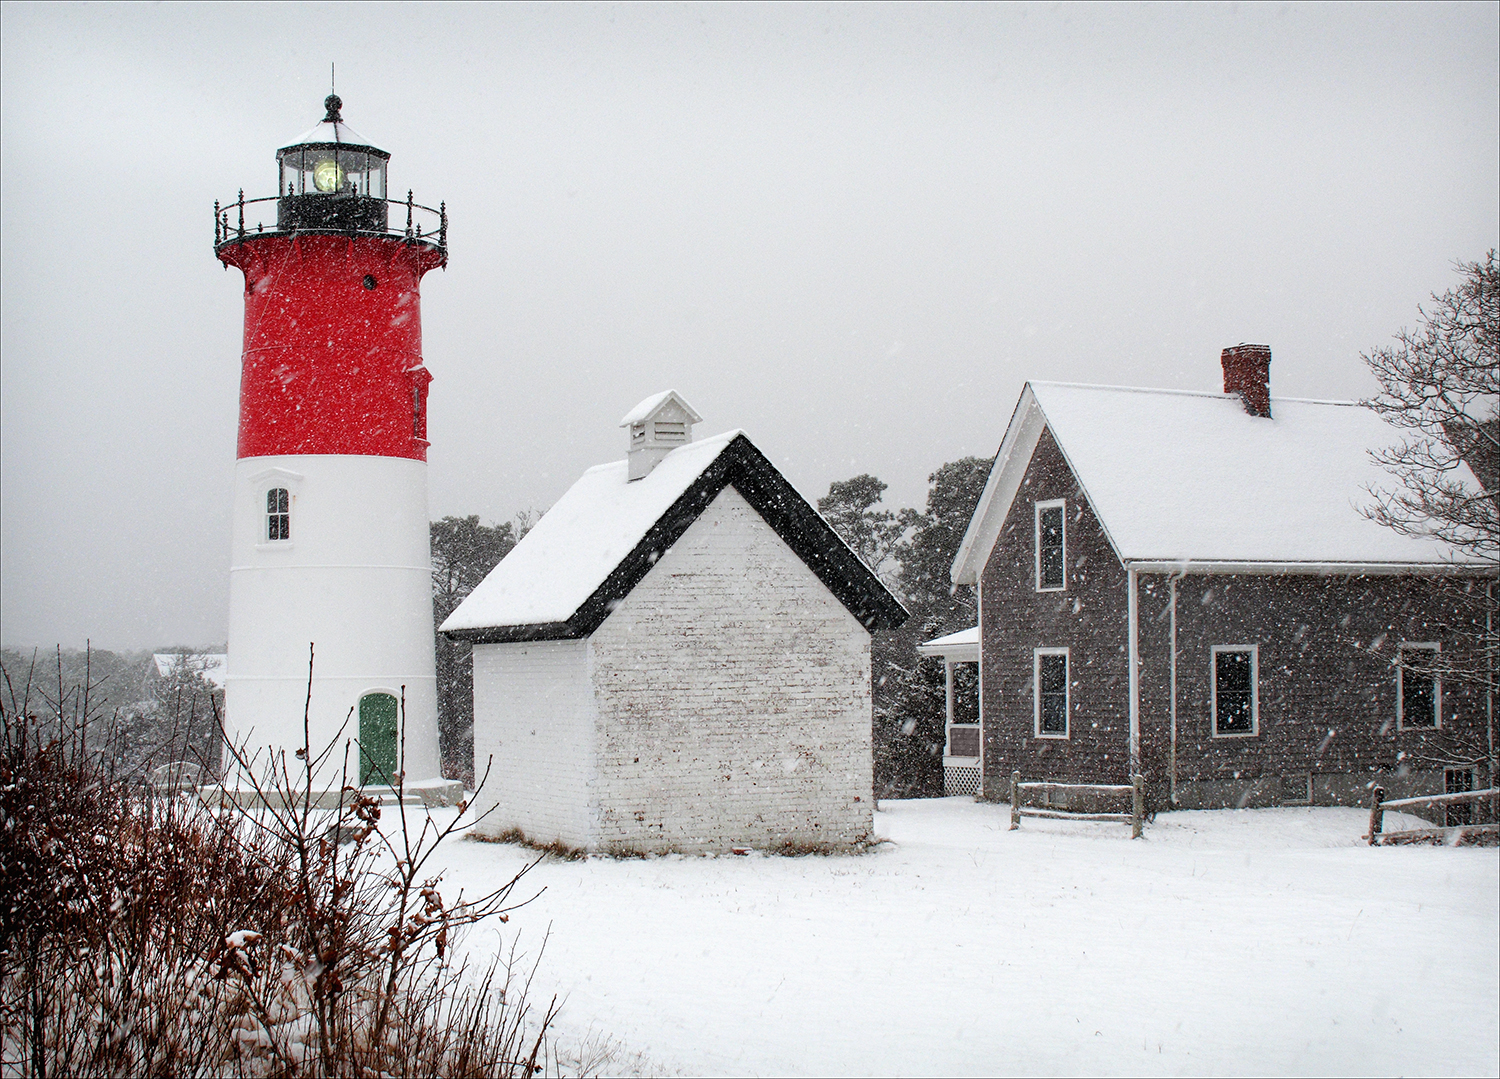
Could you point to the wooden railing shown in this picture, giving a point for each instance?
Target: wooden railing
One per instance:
(1136, 788)
(1378, 806)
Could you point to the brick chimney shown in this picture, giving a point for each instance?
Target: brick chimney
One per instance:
(1247, 372)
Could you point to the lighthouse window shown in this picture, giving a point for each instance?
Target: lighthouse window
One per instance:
(278, 514)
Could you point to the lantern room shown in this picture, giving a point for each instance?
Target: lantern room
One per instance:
(332, 178)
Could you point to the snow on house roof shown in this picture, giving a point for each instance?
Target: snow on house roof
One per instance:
(592, 547)
(640, 412)
(209, 664)
(959, 646)
(1183, 477)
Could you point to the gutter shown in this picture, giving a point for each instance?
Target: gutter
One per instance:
(1183, 567)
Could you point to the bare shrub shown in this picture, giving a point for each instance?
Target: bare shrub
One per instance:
(145, 933)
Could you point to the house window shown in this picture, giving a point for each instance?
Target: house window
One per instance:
(278, 514)
(1051, 563)
(1235, 705)
(1050, 675)
(1418, 692)
(1458, 781)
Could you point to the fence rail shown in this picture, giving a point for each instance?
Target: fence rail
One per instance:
(1378, 806)
(1136, 788)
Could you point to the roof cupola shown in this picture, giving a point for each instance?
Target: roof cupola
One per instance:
(657, 426)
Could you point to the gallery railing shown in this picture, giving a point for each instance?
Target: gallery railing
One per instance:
(345, 215)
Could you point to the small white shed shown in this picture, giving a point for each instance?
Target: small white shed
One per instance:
(677, 657)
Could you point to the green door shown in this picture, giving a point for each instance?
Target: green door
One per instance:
(377, 738)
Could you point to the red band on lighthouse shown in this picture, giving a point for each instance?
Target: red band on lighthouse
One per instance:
(333, 345)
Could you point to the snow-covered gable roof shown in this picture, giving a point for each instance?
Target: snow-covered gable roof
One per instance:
(1191, 480)
(591, 548)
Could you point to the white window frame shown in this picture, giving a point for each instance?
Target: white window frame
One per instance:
(1437, 689)
(1036, 544)
(949, 757)
(1213, 690)
(1036, 693)
(266, 480)
(270, 513)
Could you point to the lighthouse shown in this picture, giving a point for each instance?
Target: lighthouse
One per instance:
(330, 546)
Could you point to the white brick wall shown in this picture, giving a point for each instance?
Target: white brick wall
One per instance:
(534, 714)
(733, 699)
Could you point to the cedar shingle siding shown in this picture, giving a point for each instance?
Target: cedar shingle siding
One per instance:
(1326, 684)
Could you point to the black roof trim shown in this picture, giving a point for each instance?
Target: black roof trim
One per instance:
(541, 631)
(745, 468)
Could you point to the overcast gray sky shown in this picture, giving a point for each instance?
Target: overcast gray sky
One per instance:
(853, 231)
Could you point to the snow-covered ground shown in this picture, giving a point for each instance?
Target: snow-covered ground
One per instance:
(1259, 941)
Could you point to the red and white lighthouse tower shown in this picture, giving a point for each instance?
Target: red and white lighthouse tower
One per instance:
(330, 541)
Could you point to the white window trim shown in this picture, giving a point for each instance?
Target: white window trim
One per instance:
(265, 518)
(1437, 690)
(1036, 693)
(265, 480)
(1036, 544)
(1213, 690)
(950, 724)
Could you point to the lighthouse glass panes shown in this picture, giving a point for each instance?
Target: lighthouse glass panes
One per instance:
(278, 514)
(331, 170)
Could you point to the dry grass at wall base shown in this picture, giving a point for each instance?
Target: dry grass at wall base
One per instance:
(148, 933)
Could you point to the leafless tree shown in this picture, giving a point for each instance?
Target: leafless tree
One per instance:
(1440, 385)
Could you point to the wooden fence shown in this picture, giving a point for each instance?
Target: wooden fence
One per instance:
(1378, 806)
(1136, 788)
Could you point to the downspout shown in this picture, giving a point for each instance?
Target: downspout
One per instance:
(1135, 677)
(979, 671)
(1172, 684)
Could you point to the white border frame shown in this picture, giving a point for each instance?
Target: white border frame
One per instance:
(1437, 689)
(1036, 693)
(1213, 690)
(1036, 543)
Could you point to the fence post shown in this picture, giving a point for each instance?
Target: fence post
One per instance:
(1015, 805)
(1137, 804)
(1377, 815)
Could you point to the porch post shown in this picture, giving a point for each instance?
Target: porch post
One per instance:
(1135, 678)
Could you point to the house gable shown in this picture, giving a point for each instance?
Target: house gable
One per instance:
(732, 698)
(1086, 618)
(741, 465)
(1190, 482)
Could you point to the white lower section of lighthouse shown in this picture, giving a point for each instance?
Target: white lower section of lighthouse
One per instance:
(332, 552)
